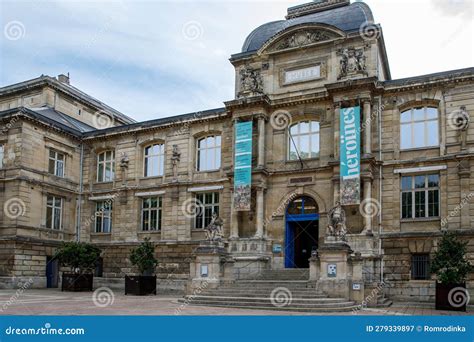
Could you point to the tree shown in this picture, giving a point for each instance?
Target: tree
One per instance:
(450, 263)
(143, 257)
(81, 257)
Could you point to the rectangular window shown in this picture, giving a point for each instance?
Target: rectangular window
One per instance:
(56, 163)
(151, 214)
(420, 196)
(54, 210)
(420, 266)
(419, 128)
(209, 153)
(206, 204)
(106, 166)
(154, 160)
(103, 217)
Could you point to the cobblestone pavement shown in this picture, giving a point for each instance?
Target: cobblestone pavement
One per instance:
(55, 302)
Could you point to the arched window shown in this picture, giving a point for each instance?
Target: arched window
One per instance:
(154, 160)
(303, 206)
(106, 166)
(209, 153)
(419, 128)
(303, 140)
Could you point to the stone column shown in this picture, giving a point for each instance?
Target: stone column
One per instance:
(464, 171)
(367, 122)
(337, 118)
(336, 189)
(261, 142)
(260, 214)
(234, 221)
(370, 203)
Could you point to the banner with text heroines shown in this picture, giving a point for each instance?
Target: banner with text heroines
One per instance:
(242, 165)
(350, 155)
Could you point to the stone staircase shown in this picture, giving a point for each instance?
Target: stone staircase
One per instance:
(285, 290)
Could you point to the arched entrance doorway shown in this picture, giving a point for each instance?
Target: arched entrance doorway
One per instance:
(301, 236)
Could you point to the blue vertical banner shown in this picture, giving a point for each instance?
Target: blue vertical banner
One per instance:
(242, 166)
(350, 155)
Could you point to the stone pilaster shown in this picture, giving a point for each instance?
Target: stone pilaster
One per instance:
(260, 213)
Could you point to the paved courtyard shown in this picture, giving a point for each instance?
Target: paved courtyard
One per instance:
(55, 302)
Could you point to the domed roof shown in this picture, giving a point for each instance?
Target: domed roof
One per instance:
(347, 18)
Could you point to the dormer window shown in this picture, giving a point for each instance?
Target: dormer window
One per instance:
(419, 128)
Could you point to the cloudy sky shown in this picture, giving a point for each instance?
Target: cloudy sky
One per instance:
(151, 59)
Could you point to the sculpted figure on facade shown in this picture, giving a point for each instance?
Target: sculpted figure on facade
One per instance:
(214, 228)
(175, 158)
(250, 82)
(337, 223)
(352, 62)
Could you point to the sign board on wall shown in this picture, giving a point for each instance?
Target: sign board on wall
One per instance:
(242, 165)
(303, 74)
(350, 155)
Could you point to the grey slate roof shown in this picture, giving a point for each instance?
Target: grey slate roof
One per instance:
(63, 119)
(67, 88)
(347, 18)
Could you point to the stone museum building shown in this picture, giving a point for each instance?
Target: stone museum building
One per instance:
(333, 148)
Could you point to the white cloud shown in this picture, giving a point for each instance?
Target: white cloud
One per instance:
(133, 54)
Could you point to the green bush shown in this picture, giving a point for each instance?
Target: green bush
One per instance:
(143, 257)
(81, 257)
(450, 263)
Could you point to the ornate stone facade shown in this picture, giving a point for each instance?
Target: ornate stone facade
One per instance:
(353, 72)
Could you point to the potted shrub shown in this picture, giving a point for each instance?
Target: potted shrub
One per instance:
(451, 268)
(81, 258)
(143, 257)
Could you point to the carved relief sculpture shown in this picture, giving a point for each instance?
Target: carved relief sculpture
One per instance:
(303, 38)
(352, 62)
(250, 82)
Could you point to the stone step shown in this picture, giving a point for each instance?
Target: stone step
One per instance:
(293, 301)
(234, 293)
(287, 308)
(268, 284)
(268, 305)
(290, 274)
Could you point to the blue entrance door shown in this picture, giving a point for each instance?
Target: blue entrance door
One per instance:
(52, 272)
(301, 233)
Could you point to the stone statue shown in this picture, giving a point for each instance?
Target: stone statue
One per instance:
(352, 62)
(124, 161)
(175, 158)
(337, 223)
(214, 228)
(250, 82)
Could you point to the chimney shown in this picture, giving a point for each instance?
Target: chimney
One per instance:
(63, 78)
